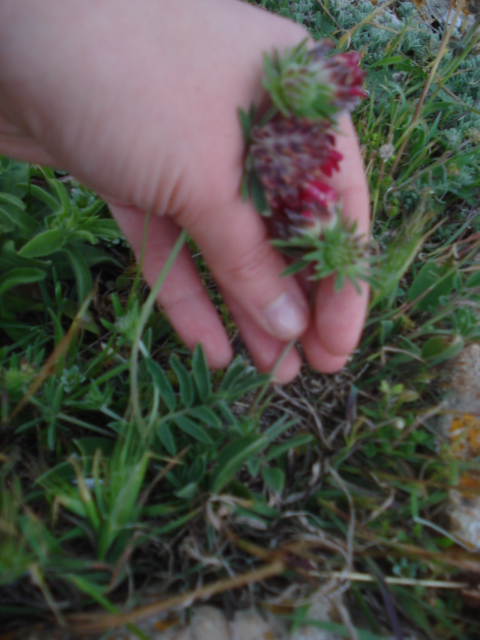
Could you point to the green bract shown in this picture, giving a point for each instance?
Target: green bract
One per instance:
(298, 85)
(339, 251)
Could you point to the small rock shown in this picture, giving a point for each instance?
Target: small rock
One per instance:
(461, 425)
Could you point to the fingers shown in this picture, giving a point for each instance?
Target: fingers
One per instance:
(182, 296)
(264, 350)
(318, 357)
(236, 247)
(350, 183)
(188, 306)
(339, 316)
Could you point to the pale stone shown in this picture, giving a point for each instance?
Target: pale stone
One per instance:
(460, 425)
(250, 625)
(209, 623)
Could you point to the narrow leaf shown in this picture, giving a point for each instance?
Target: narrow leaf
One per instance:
(59, 189)
(233, 457)
(43, 244)
(184, 381)
(201, 373)
(82, 272)
(438, 349)
(44, 196)
(274, 478)
(197, 432)
(166, 437)
(162, 383)
(207, 416)
(473, 280)
(234, 373)
(432, 282)
(22, 275)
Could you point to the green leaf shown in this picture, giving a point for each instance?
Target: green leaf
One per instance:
(300, 440)
(179, 522)
(6, 225)
(59, 190)
(82, 272)
(12, 176)
(43, 244)
(227, 413)
(20, 219)
(386, 61)
(233, 457)
(234, 373)
(274, 478)
(166, 437)
(201, 373)
(188, 426)
(295, 267)
(438, 349)
(93, 590)
(188, 492)
(13, 209)
(125, 507)
(401, 253)
(206, 415)
(257, 193)
(11, 201)
(253, 465)
(162, 383)
(184, 381)
(89, 445)
(44, 196)
(279, 427)
(434, 282)
(473, 280)
(246, 120)
(73, 504)
(22, 275)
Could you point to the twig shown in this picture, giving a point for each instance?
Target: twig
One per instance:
(403, 582)
(99, 623)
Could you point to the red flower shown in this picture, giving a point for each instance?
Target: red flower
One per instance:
(289, 152)
(331, 163)
(319, 193)
(343, 74)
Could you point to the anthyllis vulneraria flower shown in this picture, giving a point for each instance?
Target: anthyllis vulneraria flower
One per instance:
(291, 154)
(286, 151)
(307, 84)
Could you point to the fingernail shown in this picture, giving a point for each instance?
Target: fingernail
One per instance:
(286, 318)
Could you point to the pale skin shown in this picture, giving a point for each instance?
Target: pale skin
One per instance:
(138, 100)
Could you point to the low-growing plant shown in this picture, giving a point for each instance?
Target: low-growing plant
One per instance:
(127, 468)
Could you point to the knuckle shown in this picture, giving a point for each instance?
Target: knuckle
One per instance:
(253, 264)
(177, 300)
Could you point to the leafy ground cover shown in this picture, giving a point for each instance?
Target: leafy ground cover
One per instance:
(129, 471)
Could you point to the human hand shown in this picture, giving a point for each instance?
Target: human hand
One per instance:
(139, 101)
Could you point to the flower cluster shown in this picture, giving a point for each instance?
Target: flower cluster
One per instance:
(307, 84)
(291, 152)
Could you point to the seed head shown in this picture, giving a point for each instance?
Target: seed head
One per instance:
(386, 151)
